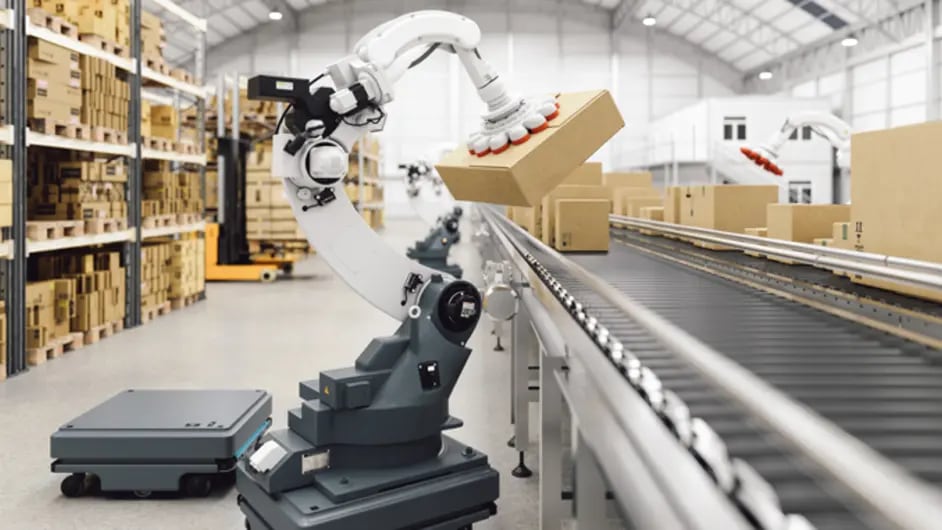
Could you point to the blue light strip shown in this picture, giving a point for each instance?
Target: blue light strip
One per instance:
(255, 436)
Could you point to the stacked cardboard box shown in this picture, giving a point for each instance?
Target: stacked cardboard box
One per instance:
(146, 109)
(729, 208)
(895, 197)
(212, 189)
(54, 83)
(634, 184)
(164, 121)
(6, 192)
(268, 214)
(107, 19)
(672, 197)
(187, 268)
(168, 192)
(62, 189)
(156, 274)
(40, 314)
(152, 37)
(581, 225)
(803, 223)
(105, 96)
(89, 289)
(547, 213)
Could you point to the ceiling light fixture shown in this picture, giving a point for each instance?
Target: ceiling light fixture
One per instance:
(765, 75)
(849, 41)
(649, 21)
(274, 14)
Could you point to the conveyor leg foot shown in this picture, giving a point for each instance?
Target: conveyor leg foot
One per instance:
(521, 471)
(498, 347)
(512, 441)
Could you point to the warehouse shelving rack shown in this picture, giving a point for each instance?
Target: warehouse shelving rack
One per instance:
(16, 138)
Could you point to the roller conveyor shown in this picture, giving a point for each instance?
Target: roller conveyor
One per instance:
(882, 389)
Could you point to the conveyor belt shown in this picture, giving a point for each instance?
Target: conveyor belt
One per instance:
(877, 387)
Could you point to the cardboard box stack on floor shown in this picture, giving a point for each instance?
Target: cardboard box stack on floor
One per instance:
(85, 189)
(268, 215)
(89, 289)
(624, 186)
(187, 268)
(54, 85)
(803, 223)
(105, 96)
(581, 225)
(895, 197)
(729, 208)
(6, 192)
(168, 192)
(156, 274)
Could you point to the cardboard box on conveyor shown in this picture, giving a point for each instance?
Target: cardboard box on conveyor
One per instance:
(523, 174)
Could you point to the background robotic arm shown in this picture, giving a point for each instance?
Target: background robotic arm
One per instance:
(835, 130)
(323, 124)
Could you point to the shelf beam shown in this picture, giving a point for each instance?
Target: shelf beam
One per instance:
(164, 231)
(90, 240)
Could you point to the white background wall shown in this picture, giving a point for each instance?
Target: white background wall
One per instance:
(559, 46)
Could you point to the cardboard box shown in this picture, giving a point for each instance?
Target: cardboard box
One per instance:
(48, 52)
(654, 213)
(41, 294)
(257, 195)
(588, 174)
(530, 218)
(672, 204)
(581, 225)
(730, 208)
(60, 93)
(53, 74)
(757, 232)
(634, 205)
(621, 196)
(842, 235)
(895, 198)
(523, 174)
(803, 223)
(628, 179)
(548, 210)
(53, 110)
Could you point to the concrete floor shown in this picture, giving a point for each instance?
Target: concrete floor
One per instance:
(242, 336)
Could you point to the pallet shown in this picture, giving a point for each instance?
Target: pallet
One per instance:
(103, 331)
(187, 218)
(181, 75)
(55, 24)
(46, 230)
(158, 144)
(104, 45)
(56, 348)
(57, 128)
(185, 301)
(109, 136)
(105, 226)
(186, 148)
(159, 310)
(157, 64)
(159, 221)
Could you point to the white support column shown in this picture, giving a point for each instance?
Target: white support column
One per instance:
(932, 67)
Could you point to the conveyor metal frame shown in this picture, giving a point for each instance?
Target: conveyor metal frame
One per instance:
(884, 489)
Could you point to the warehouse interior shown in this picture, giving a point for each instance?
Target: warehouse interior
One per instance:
(452, 264)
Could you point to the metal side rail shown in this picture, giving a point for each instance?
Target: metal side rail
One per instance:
(803, 400)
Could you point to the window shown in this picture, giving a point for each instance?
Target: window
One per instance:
(806, 133)
(794, 135)
(734, 128)
(799, 192)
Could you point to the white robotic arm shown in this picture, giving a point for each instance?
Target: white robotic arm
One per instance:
(325, 123)
(833, 129)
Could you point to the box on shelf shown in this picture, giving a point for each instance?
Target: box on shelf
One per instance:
(895, 198)
(61, 188)
(803, 223)
(6, 192)
(523, 174)
(581, 225)
(47, 52)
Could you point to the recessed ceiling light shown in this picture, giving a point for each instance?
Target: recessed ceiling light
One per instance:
(274, 14)
(849, 41)
(649, 21)
(765, 76)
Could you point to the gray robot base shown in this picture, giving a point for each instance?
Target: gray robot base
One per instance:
(159, 441)
(450, 492)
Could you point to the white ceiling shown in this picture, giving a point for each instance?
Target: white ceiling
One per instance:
(744, 33)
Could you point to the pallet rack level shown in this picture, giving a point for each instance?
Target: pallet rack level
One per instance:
(15, 251)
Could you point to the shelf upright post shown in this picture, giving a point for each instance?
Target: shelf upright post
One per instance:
(133, 256)
(16, 279)
(220, 160)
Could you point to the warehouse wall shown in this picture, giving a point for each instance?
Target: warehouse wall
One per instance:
(882, 90)
(550, 47)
